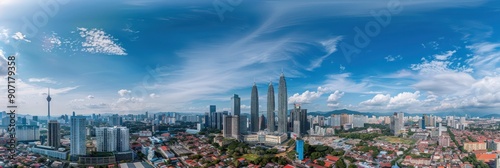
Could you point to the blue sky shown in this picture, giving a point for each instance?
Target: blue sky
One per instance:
(134, 56)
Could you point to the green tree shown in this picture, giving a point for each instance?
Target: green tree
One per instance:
(315, 155)
(282, 161)
(291, 155)
(340, 163)
(42, 160)
(236, 163)
(320, 162)
(352, 166)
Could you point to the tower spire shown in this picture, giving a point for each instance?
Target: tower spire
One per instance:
(48, 104)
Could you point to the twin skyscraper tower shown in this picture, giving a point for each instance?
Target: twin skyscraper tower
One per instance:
(282, 108)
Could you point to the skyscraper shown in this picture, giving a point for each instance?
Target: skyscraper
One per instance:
(236, 105)
(213, 120)
(254, 109)
(397, 123)
(299, 120)
(299, 147)
(112, 139)
(105, 139)
(270, 108)
(123, 139)
(115, 120)
(231, 127)
(48, 105)
(344, 119)
(262, 122)
(243, 124)
(212, 108)
(282, 105)
(77, 135)
(236, 111)
(54, 135)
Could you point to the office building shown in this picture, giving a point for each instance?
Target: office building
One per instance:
(243, 124)
(231, 127)
(213, 120)
(112, 139)
(27, 133)
(265, 138)
(78, 135)
(218, 118)
(236, 105)
(262, 122)
(254, 109)
(282, 105)
(49, 151)
(397, 123)
(299, 147)
(54, 136)
(344, 119)
(271, 127)
(299, 120)
(359, 121)
(444, 141)
(115, 120)
(236, 111)
(335, 120)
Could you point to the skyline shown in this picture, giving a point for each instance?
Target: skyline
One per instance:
(133, 56)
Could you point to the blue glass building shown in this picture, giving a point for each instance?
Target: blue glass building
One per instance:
(299, 147)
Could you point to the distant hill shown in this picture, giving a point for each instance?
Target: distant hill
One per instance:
(338, 112)
(491, 115)
(440, 114)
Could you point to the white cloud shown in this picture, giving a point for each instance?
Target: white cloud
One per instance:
(90, 97)
(391, 58)
(129, 100)
(404, 99)
(77, 100)
(330, 46)
(123, 92)
(445, 82)
(333, 99)
(98, 41)
(20, 36)
(52, 42)
(306, 97)
(4, 35)
(486, 58)
(94, 106)
(434, 45)
(377, 100)
(342, 82)
(153, 95)
(342, 68)
(42, 80)
(445, 55)
(244, 107)
(3, 64)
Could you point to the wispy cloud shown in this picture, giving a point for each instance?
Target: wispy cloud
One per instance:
(98, 41)
(20, 36)
(330, 46)
(445, 55)
(391, 58)
(42, 80)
